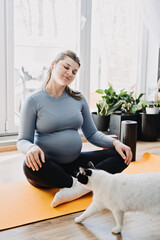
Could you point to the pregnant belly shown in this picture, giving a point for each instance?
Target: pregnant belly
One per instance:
(62, 146)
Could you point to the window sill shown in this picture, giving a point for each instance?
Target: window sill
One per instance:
(8, 140)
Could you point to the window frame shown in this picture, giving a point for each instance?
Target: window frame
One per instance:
(10, 126)
(3, 87)
(85, 47)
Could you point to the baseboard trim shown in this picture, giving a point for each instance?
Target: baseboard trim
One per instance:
(14, 148)
(8, 148)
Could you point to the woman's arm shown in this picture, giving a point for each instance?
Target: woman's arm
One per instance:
(101, 140)
(34, 155)
(27, 126)
(90, 131)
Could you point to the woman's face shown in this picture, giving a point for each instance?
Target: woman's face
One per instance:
(64, 71)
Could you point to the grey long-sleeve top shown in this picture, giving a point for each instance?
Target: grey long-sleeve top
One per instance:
(53, 123)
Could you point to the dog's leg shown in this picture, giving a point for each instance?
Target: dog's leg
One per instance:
(118, 215)
(93, 208)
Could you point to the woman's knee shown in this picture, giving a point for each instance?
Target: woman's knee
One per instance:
(112, 153)
(25, 168)
(28, 171)
(34, 178)
(50, 175)
(113, 162)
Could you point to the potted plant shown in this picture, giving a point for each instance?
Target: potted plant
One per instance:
(105, 107)
(152, 107)
(148, 121)
(129, 109)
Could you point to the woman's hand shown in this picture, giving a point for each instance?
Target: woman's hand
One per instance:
(124, 151)
(35, 158)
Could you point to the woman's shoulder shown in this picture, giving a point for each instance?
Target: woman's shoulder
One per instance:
(84, 101)
(34, 98)
(36, 95)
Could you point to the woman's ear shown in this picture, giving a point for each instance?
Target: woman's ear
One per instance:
(52, 65)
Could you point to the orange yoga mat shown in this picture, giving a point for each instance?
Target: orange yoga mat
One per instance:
(21, 203)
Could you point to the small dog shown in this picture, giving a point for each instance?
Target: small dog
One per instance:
(120, 193)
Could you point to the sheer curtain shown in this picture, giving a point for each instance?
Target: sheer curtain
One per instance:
(150, 10)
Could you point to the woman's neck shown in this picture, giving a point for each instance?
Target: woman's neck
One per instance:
(55, 90)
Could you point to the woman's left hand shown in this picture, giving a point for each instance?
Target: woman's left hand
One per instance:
(124, 151)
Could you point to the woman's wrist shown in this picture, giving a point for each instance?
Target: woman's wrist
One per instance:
(115, 142)
(29, 149)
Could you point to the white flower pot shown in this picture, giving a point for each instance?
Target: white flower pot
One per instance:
(154, 110)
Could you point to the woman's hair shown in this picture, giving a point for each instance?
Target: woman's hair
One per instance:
(61, 56)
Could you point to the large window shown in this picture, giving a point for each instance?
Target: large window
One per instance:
(32, 32)
(114, 45)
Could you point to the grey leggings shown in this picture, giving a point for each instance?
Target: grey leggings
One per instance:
(54, 175)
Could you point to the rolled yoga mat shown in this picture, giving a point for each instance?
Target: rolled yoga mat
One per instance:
(21, 203)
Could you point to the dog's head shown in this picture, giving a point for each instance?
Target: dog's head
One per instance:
(83, 175)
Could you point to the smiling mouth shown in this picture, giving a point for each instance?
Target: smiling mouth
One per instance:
(68, 79)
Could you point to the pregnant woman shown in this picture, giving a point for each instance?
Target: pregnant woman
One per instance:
(49, 137)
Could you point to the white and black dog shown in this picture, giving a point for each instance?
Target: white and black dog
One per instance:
(120, 193)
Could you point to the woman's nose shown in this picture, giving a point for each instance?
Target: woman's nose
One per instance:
(69, 72)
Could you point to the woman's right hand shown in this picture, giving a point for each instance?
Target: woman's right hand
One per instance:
(35, 157)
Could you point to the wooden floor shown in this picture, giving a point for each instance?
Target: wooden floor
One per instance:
(137, 226)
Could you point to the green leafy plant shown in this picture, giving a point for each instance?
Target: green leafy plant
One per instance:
(157, 103)
(111, 102)
(150, 104)
(131, 104)
(143, 106)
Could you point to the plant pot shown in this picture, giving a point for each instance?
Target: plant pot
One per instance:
(148, 126)
(116, 119)
(101, 122)
(154, 110)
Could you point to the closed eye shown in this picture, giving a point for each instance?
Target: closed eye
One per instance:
(66, 67)
(73, 72)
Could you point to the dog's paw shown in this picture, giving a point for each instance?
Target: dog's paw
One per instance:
(117, 230)
(77, 219)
